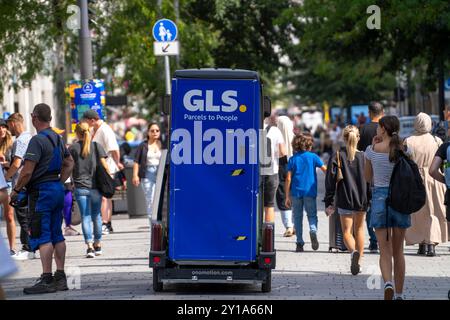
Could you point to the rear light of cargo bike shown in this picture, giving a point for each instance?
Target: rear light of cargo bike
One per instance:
(268, 238)
(156, 260)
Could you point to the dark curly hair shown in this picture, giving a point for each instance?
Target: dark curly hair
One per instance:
(302, 142)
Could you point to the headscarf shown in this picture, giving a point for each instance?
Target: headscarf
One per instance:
(422, 123)
(286, 127)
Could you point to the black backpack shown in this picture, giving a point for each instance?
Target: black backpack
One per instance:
(406, 189)
(104, 182)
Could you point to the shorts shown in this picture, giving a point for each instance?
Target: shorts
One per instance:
(345, 211)
(46, 202)
(348, 212)
(270, 185)
(378, 217)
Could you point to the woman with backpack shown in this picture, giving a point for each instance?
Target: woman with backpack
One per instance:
(346, 193)
(390, 225)
(85, 154)
(428, 225)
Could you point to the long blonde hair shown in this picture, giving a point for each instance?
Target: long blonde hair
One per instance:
(6, 143)
(351, 138)
(82, 130)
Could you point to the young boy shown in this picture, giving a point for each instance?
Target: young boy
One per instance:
(303, 189)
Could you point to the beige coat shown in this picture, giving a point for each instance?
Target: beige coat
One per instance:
(428, 225)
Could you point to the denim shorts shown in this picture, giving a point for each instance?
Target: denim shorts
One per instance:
(378, 219)
(345, 211)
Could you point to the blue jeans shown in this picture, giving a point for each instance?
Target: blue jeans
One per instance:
(90, 201)
(286, 217)
(372, 236)
(311, 211)
(149, 184)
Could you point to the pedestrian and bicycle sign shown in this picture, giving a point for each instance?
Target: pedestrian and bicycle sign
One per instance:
(165, 30)
(165, 33)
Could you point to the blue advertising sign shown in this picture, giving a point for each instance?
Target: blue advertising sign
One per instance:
(85, 96)
(359, 114)
(214, 169)
(165, 30)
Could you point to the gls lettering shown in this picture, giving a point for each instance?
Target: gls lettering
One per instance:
(194, 101)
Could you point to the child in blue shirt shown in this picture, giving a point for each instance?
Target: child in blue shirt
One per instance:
(301, 187)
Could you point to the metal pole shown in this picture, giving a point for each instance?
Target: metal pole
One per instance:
(85, 42)
(167, 67)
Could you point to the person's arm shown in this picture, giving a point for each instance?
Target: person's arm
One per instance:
(287, 189)
(368, 171)
(323, 168)
(136, 179)
(25, 175)
(115, 154)
(15, 166)
(330, 186)
(104, 164)
(67, 167)
(434, 170)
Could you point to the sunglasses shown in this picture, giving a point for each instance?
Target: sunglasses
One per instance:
(154, 130)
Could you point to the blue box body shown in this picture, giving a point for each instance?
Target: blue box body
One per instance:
(213, 209)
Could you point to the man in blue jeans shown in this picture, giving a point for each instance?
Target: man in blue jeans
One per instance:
(47, 166)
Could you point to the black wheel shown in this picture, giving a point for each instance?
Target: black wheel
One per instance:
(267, 285)
(157, 285)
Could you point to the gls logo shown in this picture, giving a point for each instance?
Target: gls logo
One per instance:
(194, 101)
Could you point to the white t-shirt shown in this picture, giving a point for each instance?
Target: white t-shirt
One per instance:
(276, 138)
(106, 137)
(153, 157)
(19, 149)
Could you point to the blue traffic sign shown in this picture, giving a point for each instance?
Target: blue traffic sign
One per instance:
(447, 85)
(165, 30)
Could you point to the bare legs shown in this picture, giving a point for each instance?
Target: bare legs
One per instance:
(354, 224)
(10, 222)
(106, 210)
(46, 252)
(391, 256)
(269, 214)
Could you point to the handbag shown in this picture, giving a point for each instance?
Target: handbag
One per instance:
(104, 182)
(76, 214)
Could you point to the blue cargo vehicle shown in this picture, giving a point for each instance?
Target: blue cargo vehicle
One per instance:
(207, 223)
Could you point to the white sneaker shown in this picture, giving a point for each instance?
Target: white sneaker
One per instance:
(24, 255)
(105, 229)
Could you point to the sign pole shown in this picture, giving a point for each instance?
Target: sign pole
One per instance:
(167, 67)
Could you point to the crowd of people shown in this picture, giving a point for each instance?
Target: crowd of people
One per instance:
(42, 176)
(358, 173)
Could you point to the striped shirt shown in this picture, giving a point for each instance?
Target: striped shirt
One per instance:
(382, 167)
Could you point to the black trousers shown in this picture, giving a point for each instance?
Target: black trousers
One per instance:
(24, 221)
